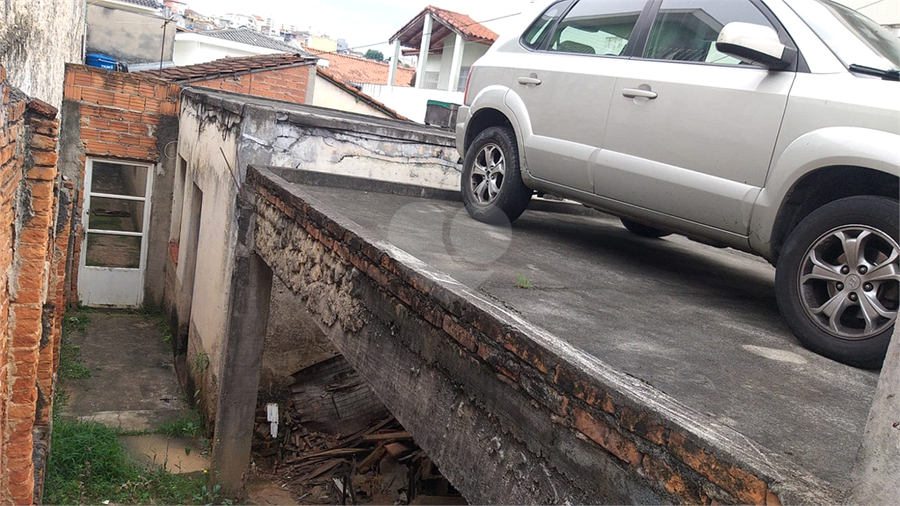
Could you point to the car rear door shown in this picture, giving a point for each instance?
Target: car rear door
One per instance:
(691, 131)
(565, 85)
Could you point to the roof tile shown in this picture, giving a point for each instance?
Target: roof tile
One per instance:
(250, 37)
(229, 66)
(356, 70)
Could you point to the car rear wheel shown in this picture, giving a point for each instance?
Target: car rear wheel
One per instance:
(492, 187)
(643, 230)
(838, 279)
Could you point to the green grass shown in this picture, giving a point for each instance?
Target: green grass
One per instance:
(88, 465)
(70, 364)
(523, 282)
(187, 425)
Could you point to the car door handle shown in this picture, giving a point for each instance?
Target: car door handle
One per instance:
(529, 80)
(639, 93)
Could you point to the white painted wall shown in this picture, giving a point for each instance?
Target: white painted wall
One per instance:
(409, 102)
(208, 169)
(192, 48)
(329, 95)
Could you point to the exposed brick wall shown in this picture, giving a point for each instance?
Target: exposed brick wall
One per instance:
(33, 250)
(288, 84)
(119, 117)
(319, 258)
(120, 112)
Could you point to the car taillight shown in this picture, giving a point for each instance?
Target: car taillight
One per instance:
(468, 80)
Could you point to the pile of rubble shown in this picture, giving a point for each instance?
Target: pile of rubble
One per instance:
(378, 465)
(333, 442)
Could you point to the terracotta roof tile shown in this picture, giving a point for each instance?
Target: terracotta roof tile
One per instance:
(470, 29)
(356, 70)
(230, 66)
(411, 36)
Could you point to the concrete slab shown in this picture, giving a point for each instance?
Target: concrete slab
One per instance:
(132, 385)
(697, 323)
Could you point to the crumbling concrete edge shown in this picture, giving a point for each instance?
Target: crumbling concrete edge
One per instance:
(663, 441)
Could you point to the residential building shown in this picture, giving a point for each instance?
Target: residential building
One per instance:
(448, 43)
(133, 32)
(281, 76)
(201, 47)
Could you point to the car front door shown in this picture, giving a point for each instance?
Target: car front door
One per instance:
(691, 131)
(565, 84)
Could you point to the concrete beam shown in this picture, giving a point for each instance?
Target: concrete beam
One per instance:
(423, 50)
(251, 286)
(456, 63)
(395, 59)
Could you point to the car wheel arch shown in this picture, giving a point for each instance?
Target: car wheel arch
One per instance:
(822, 186)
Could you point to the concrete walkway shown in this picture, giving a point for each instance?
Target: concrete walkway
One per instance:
(132, 387)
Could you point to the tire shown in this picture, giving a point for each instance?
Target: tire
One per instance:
(643, 230)
(492, 187)
(838, 278)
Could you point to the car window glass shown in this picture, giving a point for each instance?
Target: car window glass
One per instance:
(686, 30)
(597, 27)
(538, 30)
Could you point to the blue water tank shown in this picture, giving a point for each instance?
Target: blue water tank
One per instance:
(100, 60)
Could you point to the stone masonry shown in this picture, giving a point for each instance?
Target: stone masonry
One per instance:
(35, 211)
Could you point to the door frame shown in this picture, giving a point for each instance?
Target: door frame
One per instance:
(83, 268)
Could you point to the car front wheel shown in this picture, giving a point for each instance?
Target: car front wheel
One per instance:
(492, 187)
(838, 278)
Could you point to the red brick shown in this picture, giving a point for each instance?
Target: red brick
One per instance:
(43, 142)
(121, 101)
(42, 173)
(45, 127)
(42, 190)
(748, 489)
(119, 126)
(607, 437)
(45, 159)
(459, 334)
(38, 106)
(643, 425)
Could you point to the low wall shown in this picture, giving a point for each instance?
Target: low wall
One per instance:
(474, 383)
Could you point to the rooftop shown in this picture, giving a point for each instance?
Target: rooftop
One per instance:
(447, 23)
(250, 37)
(230, 66)
(356, 70)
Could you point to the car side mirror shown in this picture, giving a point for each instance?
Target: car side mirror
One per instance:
(755, 44)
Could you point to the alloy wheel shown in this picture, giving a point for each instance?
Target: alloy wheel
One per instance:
(487, 173)
(849, 281)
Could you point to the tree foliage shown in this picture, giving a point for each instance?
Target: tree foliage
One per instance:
(374, 54)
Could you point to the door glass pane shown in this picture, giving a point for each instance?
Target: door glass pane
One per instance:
(119, 179)
(686, 30)
(113, 251)
(116, 214)
(597, 27)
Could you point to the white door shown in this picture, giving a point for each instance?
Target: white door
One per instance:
(114, 242)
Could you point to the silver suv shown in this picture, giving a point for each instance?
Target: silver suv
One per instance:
(770, 126)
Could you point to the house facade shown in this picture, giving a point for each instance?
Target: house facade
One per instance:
(134, 32)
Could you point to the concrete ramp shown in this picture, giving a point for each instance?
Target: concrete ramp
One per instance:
(509, 411)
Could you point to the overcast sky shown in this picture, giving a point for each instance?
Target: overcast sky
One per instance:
(367, 22)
